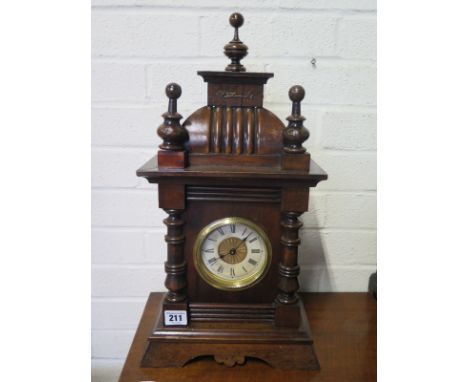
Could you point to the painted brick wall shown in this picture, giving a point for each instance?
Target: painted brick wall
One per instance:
(138, 46)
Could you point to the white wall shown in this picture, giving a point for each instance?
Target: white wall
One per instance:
(140, 46)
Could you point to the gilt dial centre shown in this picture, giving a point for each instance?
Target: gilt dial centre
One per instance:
(232, 250)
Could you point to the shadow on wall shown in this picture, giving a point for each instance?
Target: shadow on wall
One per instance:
(315, 275)
(106, 370)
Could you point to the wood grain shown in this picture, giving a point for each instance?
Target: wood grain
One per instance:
(236, 130)
(237, 174)
(202, 211)
(239, 131)
(250, 137)
(344, 327)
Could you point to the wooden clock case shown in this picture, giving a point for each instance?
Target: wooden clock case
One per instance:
(233, 157)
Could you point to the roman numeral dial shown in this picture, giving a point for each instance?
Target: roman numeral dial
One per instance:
(232, 253)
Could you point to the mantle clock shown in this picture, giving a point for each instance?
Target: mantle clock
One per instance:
(233, 180)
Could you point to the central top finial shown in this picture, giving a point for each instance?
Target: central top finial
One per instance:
(236, 50)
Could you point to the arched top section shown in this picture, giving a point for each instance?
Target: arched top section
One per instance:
(233, 134)
(234, 130)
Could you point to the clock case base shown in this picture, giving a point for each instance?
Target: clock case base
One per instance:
(231, 343)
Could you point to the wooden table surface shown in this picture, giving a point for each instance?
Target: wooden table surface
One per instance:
(343, 326)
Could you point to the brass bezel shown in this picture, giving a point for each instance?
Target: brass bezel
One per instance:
(221, 283)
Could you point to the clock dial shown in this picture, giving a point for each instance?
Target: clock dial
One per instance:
(232, 253)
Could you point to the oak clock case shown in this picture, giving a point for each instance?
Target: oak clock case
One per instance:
(233, 180)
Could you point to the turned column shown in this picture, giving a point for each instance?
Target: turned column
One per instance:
(288, 267)
(175, 266)
(288, 312)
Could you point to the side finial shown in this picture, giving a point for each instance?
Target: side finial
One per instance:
(295, 133)
(236, 50)
(171, 132)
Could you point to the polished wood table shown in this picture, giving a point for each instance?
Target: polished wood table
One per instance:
(343, 326)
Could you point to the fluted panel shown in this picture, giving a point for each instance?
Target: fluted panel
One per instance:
(228, 134)
(233, 130)
(215, 129)
(250, 137)
(239, 131)
(217, 133)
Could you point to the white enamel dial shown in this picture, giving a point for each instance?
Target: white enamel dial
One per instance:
(232, 253)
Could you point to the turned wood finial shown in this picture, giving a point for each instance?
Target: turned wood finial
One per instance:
(295, 133)
(236, 50)
(171, 132)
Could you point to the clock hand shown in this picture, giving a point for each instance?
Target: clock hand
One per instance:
(221, 256)
(242, 241)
